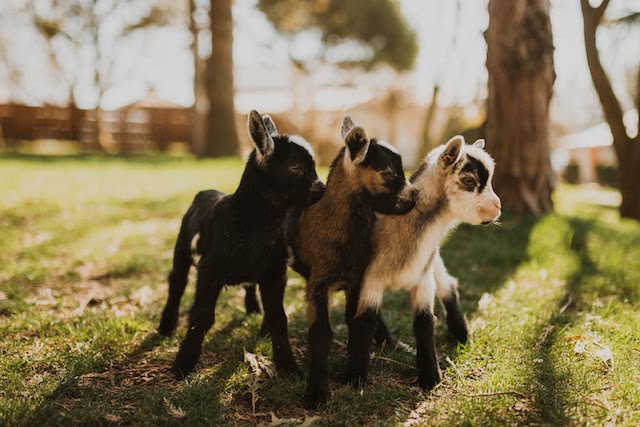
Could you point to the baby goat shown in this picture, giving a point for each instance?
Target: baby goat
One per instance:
(239, 238)
(454, 184)
(332, 242)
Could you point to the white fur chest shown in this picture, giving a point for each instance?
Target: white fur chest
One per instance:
(418, 263)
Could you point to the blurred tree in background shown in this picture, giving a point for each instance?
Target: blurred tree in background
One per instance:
(377, 25)
(214, 131)
(626, 146)
(521, 77)
(82, 25)
(356, 35)
(221, 136)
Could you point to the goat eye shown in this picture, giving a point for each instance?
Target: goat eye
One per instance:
(469, 181)
(297, 169)
(386, 172)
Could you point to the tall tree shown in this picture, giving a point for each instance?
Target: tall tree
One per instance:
(82, 24)
(627, 148)
(221, 136)
(377, 25)
(521, 77)
(200, 102)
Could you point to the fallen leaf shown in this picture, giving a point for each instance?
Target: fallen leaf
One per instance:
(142, 296)
(580, 347)
(575, 338)
(175, 412)
(275, 421)
(520, 406)
(259, 364)
(484, 302)
(310, 420)
(113, 418)
(604, 354)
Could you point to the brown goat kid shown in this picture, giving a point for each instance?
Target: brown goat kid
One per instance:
(331, 243)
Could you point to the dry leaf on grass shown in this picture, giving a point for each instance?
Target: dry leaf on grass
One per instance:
(310, 420)
(275, 421)
(599, 352)
(259, 364)
(175, 412)
(112, 418)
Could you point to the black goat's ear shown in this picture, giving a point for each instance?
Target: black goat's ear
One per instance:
(356, 141)
(452, 151)
(270, 125)
(260, 135)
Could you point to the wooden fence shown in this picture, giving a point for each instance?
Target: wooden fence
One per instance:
(129, 129)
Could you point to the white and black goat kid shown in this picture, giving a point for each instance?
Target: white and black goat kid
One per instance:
(237, 238)
(454, 184)
(331, 243)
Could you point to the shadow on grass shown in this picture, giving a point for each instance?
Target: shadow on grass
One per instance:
(589, 281)
(141, 389)
(549, 386)
(484, 258)
(602, 274)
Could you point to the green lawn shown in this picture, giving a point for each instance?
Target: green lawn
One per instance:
(86, 242)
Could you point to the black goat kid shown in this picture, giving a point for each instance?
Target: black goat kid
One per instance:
(232, 239)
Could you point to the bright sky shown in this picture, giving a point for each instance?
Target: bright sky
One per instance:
(161, 59)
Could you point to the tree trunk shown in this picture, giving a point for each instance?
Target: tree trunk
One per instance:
(627, 148)
(629, 171)
(222, 137)
(521, 76)
(428, 141)
(200, 102)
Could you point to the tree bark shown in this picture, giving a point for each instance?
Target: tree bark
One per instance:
(222, 137)
(627, 149)
(427, 134)
(200, 101)
(521, 76)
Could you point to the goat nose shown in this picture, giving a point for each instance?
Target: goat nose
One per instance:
(497, 204)
(317, 185)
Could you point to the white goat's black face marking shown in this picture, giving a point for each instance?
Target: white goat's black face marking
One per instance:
(473, 174)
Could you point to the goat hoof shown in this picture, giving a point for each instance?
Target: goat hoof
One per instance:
(167, 327)
(289, 369)
(461, 337)
(357, 379)
(184, 364)
(313, 398)
(181, 371)
(386, 342)
(165, 331)
(264, 329)
(458, 330)
(178, 373)
(430, 380)
(252, 306)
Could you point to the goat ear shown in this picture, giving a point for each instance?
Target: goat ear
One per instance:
(347, 125)
(357, 144)
(479, 143)
(260, 135)
(452, 151)
(270, 125)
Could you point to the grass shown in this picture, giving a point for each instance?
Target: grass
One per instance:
(553, 304)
